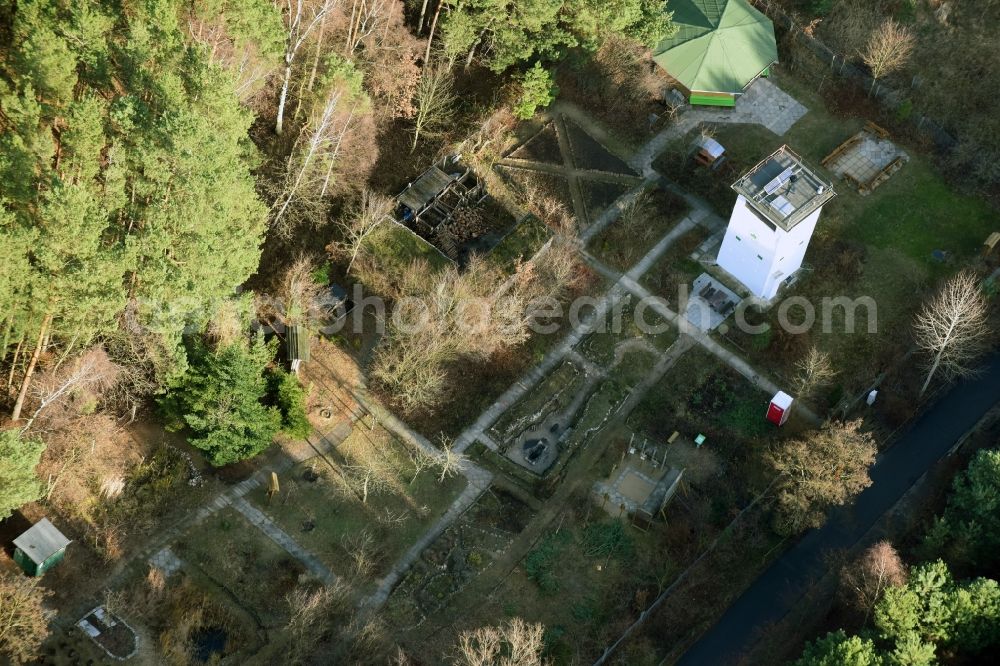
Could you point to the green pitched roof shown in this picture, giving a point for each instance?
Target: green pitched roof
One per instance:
(719, 46)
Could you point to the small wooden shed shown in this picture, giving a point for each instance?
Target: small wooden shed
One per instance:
(40, 548)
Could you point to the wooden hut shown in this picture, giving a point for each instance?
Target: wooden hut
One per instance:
(719, 49)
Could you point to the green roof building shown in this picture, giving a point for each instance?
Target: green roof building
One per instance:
(40, 548)
(720, 47)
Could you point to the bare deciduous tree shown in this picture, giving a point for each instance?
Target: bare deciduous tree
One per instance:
(887, 49)
(471, 314)
(865, 580)
(815, 370)
(435, 103)
(313, 164)
(297, 297)
(449, 461)
(952, 328)
(24, 622)
(372, 210)
(363, 551)
(300, 292)
(91, 372)
(311, 611)
(300, 21)
(517, 643)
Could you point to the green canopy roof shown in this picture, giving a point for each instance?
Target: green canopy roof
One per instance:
(719, 46)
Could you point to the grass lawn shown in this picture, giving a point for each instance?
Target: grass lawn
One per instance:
(701, 395)
(244, 562)
(317, 509)
(675, 267)
(523, 241)
(584, 581)
(396, 247)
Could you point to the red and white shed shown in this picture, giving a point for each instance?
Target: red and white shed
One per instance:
(780, 408)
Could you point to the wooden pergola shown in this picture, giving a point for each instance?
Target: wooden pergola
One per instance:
(432, 199)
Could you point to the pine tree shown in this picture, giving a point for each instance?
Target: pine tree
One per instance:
(839, 649)
(124, 171)
(219, 400)
(18, 482)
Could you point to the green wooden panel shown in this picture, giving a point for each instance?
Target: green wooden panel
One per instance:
(51, 562)
(706, 100)
(25, 562)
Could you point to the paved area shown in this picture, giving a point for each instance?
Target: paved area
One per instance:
(534, 376)
(166, 561)
(766, 104)
(280, 537)
(155, 549)
(866, 158)
(763, 104)
(479, 481)
(782, 585)
(707, 313)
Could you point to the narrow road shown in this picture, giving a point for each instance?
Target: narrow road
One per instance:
(781, 586)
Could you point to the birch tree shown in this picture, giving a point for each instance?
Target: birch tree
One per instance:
(952, 328)
(865, 580)
(888, 48)
(313, 167)
(435, 103)
(372, 210)
(300, 21)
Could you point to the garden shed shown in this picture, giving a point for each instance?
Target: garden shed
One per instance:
(297, 346)
(720, 48)
(40, 548)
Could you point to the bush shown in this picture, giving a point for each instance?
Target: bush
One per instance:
(541, 562)
(321, 275)
(820, 7)
(290, 397)
(607, 540)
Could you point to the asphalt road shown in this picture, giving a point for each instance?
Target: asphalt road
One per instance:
(780, 587)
